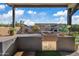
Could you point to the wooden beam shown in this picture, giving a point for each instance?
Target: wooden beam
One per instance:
(75, 9)
(19, 5)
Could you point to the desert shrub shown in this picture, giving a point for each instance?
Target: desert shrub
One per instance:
(35, 28)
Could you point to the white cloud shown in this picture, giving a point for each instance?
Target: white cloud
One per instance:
(60, 20)
(2, 7)
(42, 14)
(35, 13)
(63, 20)
(9, 13)
(19, 12)
(8, 16)
(61, 13)
(31, 12)
(28, 22)
(75, 19)
(62, 16)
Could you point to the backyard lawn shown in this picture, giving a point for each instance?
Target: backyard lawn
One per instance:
(48, 53)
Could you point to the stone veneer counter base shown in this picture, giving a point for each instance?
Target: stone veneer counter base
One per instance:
(8, 44)
(33, 42)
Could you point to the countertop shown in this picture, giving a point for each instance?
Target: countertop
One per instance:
(2, 39)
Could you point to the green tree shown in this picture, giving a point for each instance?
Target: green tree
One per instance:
(63, 28)
(75, 28)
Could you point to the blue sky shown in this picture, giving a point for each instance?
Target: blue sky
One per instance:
(36, 15)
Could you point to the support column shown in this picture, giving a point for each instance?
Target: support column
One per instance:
(69, 18)
(13, 16)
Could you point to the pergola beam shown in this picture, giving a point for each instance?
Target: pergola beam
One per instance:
(75, 9)
(19, 5)
(72, 8)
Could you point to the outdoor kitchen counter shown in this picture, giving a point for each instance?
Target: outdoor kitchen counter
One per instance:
(2, 39)
(30, 42)
(66, 43)
(64, 36)
(28, 35)
(59, 35)
(8, 44)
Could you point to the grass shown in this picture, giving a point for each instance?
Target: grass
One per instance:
(48, 53)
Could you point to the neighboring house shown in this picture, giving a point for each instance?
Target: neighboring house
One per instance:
(44, 27)
(49, 27)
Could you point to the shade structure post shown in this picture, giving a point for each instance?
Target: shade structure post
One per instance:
(75, 8)
(13, 16)
(13, 30)
(69, 19)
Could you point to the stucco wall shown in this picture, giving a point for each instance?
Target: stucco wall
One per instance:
(0, 48)
(7, 46)
(29, 43)
(66, 43)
